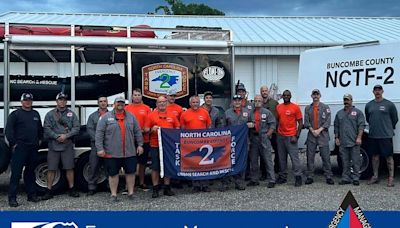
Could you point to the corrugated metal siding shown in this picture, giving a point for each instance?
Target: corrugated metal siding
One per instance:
(247, 30)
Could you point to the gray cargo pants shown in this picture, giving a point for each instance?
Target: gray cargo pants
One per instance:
(325, 156)
(285, 148)
(263, 150)
(94, 165)
(350, 159)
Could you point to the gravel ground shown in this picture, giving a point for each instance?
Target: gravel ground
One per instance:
(316, 197)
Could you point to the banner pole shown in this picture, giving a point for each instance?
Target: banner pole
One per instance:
(160, 150)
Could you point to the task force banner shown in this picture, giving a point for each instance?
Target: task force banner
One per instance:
(203, 154)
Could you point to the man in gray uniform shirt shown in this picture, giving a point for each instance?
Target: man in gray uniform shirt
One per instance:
(237, 115)
(317, 119)
(381, 115)
(349, 127)
(60, 126)
(261, 134)
(215, 115)
(94, 160)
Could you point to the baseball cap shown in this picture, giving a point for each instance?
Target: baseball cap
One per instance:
(171, 92)
(208, 93)
(26, 96)
(378, 87)
(348, 96)
(315, 91)
(61, 95)
(237, 97)
(241, 87)
(119, 99)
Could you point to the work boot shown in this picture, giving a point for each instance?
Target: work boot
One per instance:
(12, 202)
(91, 192)
(271, 185)
(253, 183)
(298, 181)
(47, 195)
(205, 189)
(281, 180)
(309, 181)
(33, 198)
(73, 193)
(168, 191)
(356, 182)
(155, 192)
(330, 181)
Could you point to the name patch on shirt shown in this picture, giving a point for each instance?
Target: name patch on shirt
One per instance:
(245, 114)
(382, 108)
(264, 116)
(353, 113)
(69, 114)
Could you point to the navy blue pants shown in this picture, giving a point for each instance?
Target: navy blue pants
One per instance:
(23, 155)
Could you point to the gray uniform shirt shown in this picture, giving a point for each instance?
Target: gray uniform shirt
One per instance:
(382, 118)
(216, 117)
(56, 123)
(92, 124)
(233, 119)
(347, 125)
(109, 139)
(324, 120)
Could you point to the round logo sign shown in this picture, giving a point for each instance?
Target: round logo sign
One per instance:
(213, 73)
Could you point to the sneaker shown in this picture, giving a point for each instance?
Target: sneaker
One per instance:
(309, 181)
(281, 180)
(373, 180)
(143, 187)
(131, 196)
(114, 199)
(168, 191)
(298, 181)
(343, 182)
(240, 187)
(271, 185)
(390, 182)
(13, 202)
(205, 189)
(155, 193)
(356, 182)
(253, 183)
(47, 195)
(330, 181)
(91, 192)
(124, 192)
(33, 198)
(73, 193)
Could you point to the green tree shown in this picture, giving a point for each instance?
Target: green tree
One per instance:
(177, 7)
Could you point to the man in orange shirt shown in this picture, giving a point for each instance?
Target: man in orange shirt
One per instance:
(159, 118)
(196, 118)
(140, 111)
(290, 124)
(176, 109)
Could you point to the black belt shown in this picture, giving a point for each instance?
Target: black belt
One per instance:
(256, 133)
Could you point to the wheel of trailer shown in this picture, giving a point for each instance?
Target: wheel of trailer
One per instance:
(5, 155)
(82, 173)
(40, 169)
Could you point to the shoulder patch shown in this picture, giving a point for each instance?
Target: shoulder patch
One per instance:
(69, 114)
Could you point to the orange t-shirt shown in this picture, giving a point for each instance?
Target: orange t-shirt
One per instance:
(163, 120)
(199, 119)
(288, 114)
(175, 109)
(141, 112)
(121, 119)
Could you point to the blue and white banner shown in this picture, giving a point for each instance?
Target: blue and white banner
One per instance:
(203, 154)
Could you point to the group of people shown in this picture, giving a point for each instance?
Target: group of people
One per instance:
(127, 136)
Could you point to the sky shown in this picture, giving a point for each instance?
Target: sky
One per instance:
(356, 8)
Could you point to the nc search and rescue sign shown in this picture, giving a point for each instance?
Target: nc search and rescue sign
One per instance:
(339, 70)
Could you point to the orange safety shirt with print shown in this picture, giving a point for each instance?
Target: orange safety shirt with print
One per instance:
(140, 112)
(163, 120)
